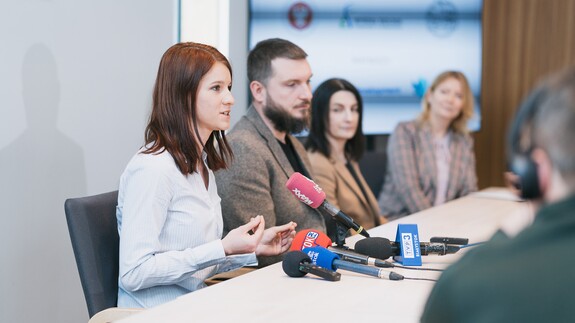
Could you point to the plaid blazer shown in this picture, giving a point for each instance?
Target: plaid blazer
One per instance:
(411, 175)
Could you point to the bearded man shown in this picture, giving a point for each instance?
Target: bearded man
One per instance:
(265, 152)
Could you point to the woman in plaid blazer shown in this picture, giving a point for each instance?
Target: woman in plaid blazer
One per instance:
(431, 159)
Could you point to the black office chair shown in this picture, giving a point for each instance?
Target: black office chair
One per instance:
(94, 234)
(373, 165)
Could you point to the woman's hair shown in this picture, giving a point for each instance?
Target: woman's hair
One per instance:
(459, 124)
(317, 140)
(173, 121)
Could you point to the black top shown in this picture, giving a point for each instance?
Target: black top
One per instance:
(293, 157)
(528, 278)
(356, 178)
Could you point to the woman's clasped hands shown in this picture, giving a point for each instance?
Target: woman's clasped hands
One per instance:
(264, 242)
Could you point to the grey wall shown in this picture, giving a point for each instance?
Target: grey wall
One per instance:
(75, 91)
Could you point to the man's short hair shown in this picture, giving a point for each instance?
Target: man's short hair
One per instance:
(261, 57)
(554, 123)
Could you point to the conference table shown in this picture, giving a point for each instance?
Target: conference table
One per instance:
(269, 295)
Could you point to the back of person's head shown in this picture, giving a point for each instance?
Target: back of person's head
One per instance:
(546, 120)
(261, 56)
(460, 123)
(320, 108)
(173, 121)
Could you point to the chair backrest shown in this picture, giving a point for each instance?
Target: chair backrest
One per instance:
(373, 165)
(94, 233)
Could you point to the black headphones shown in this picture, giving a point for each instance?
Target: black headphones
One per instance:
(520, 161)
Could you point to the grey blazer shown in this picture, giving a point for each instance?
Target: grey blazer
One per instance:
(255, 181)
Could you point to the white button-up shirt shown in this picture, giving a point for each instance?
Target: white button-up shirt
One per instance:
(170, 229)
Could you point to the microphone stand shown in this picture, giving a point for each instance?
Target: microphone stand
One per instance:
(340, 234)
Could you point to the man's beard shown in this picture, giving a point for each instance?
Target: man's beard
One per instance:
(283, 121)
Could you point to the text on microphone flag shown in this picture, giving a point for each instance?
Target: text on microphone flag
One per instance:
(302, 197)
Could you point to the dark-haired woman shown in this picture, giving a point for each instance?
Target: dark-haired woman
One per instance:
(169, 215)
(335, 144)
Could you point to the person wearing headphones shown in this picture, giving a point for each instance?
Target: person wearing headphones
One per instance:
(528, 277)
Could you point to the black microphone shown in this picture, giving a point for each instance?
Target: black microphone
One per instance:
(449, 240)
(308, 192)
(382, 248)
(432, 248)
(353, 256)
(329, 260)
(298, 264)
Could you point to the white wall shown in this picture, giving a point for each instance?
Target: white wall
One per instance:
(238, 55)
(224, 25)
(75, 90)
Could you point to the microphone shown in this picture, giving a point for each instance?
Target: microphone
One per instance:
(448, 240)
(326, 259)
(313, 238)
(430, 248)
(358, 258)
(382, 248)
(298, 264)
(310, 238)
(308, 192)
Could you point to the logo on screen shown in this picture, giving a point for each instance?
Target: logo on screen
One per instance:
(419, 87)
(300, 15)
(442, 18)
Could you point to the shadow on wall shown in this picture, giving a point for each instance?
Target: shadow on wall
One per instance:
(38, 171)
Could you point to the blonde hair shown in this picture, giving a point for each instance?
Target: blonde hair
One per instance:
(459, 124)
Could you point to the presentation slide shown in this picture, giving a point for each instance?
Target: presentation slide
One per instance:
(390, 50)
